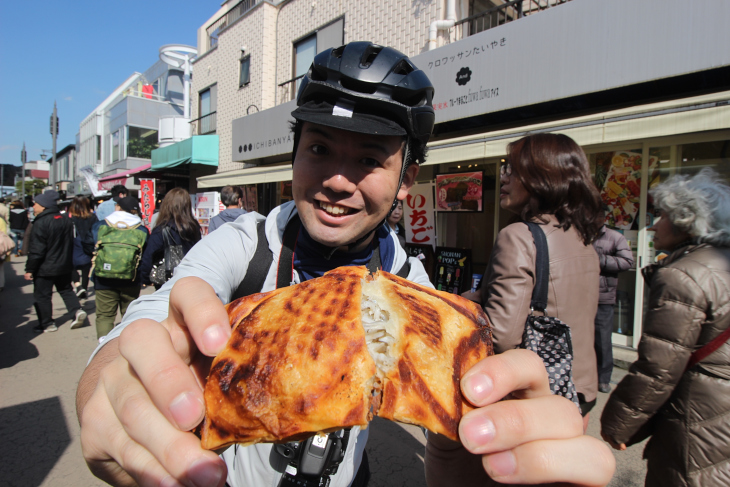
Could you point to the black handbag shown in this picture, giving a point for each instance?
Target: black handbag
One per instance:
(162, 271)
(548, 337)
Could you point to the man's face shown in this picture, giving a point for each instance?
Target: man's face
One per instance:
(344, 183)
(37, 209)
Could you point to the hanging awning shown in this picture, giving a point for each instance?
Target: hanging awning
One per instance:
(108, 182)
(198, 149)
(251, 175)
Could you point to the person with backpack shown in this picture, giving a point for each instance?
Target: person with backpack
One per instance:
(120, 241)
(83, 221)
(174, 234)
(356, 153)
(50, 262)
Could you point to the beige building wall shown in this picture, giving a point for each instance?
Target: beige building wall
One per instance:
(268, 33)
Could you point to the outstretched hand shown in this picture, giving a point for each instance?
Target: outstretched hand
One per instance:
(531, 437)
(142, 394)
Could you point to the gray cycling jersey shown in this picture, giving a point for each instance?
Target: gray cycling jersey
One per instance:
(221, 259)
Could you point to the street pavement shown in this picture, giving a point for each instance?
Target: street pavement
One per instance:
(38, 379)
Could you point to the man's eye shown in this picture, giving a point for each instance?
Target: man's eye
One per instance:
(370, 162)
(319, 149)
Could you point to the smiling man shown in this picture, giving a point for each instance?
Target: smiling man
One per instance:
(363, 119)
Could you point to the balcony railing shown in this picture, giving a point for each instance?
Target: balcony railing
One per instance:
(501, 14)
(205, 124)
(288, 90)
(228, 18)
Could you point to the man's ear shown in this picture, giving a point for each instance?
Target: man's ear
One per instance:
(408, 179)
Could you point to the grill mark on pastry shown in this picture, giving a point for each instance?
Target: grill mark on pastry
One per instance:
(411, 379)
(425, 318)
(480, 318)
(222, 372)
(353, 417)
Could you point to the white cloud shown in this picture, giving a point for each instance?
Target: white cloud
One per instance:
(68, 98)
(8, 147)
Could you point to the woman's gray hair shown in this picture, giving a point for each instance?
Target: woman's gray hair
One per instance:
(698, 205)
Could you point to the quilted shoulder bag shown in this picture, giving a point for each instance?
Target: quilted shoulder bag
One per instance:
(162, 271)
(547, 336)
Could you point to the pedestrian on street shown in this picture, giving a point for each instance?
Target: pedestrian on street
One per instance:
(83, 221)
(6, 247)
(18, 224)
(4, 212)
(678, 391)
(121, 262)
(108, 207)
(50, 262)
(362, 124)
(614, 256)
(232, 198)
(395, 225)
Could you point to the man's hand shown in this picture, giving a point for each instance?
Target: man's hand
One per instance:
(614, 445)
(532, 437)
(28, 276)
(137, 406)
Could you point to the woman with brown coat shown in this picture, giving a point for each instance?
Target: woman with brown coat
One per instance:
(678, 391)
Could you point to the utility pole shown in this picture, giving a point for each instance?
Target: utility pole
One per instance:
(23, 157)
(54, 135)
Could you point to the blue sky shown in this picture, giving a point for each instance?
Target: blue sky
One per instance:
(76, 53)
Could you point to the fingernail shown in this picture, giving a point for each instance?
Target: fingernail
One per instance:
(206, 473)
(502, 464)
(476, 432)
(187, 410)
(477, 387)
(170, 481)
(215, 338)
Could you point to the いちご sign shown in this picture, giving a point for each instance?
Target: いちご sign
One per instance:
(418, 215)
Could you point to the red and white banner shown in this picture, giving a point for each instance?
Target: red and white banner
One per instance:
(147, 205)
(419, 217)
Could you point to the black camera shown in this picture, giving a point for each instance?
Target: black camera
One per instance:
(313, 461)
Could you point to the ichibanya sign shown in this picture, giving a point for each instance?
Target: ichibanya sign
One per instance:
(263, 134)
(576, 48)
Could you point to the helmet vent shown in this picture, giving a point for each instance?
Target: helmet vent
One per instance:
(369, 55)
(403, 67)
(338, 52)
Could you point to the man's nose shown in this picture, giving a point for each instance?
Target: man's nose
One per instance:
(339, 181)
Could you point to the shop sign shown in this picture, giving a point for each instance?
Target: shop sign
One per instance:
(418, 215)
(453, 267)
(263, 134)
(560, 53)
(110, 183)
(459, 191)
(147, 190)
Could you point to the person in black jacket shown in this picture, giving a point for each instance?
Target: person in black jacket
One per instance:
(175, 214)
(50, 262)
(18, 223)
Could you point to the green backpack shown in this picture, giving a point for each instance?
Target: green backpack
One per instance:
(118, 251)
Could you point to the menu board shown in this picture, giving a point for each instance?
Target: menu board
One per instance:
(453, 269)
(459, 191)
(622, 187)
(424, 253)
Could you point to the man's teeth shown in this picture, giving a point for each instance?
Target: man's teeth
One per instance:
(334, 209)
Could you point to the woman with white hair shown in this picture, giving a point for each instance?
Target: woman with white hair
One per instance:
(678, 391)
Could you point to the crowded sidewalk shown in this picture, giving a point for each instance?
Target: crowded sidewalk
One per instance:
(38, 378)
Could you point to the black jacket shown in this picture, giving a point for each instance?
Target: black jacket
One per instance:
(614, 256)
(50, 251)
(18, 219)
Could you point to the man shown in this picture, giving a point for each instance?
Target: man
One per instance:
(232, 198)
(614, 256)
(351, 164)
(114, 293)
(49, 263)
(108, 207)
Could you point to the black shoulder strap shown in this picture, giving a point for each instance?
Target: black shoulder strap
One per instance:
(285, 271)
(375, 264)
(258, 267)
(542, 268)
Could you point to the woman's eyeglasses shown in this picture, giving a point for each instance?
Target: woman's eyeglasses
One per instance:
(505, 170)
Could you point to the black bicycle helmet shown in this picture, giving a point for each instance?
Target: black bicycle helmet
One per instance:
(378, 85)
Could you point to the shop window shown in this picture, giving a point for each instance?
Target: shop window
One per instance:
(304, 52)
(115, 146)
(141, 142)
(98, 148)
(244, 71)
(208, 105)
(693, 157)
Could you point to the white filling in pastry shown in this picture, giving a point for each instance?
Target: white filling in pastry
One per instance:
(376, 322)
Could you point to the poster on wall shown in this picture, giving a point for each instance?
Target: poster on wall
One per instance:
(147, 204)
(419, 219)
(453, 270)
(250, 196)
(622, 187)
(286, 194)
(207, 206)
(459, 191)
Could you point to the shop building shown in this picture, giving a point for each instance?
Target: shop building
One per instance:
(643, 87)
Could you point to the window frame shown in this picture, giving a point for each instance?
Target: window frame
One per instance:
(245, 59)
